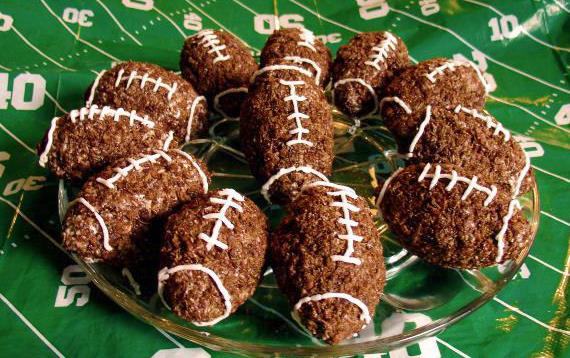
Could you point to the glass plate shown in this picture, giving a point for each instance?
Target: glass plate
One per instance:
(420, 300)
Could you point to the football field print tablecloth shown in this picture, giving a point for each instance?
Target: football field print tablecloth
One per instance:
(51, 51)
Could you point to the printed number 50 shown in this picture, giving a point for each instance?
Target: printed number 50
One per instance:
(18, 94)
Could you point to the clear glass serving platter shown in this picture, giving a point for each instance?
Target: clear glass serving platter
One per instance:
(420, 300)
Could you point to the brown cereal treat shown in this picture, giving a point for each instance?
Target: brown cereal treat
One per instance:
(438, 82)
(473, 141)
(154, 91)
(363, 68)
(298, 47)
(219, 66)
(451, 218)
(87, 139)
(110, 219)
(286, 132)
(212, 256)
(327, 259)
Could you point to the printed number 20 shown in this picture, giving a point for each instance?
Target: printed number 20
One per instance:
(505, 28)
(18, 94)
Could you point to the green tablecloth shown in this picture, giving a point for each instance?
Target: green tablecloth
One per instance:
(51, 50)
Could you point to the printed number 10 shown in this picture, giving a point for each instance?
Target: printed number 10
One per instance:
(18, 94)
(505, 28)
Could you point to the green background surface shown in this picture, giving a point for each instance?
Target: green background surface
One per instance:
(52, 50)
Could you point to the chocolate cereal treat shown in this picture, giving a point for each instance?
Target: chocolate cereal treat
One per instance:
(327, 259)
(451, 218)
(473, 141)
(154, 91)
(110, 219)
(219, 66)
(363, 68)
(212, 256)
(87, 139)
(438, 82)
(298, 47)
(286, 132)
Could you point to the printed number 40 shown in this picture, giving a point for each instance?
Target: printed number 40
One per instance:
(507, 27)
(18, 94)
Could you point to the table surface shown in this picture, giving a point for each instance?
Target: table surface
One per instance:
(52, 50)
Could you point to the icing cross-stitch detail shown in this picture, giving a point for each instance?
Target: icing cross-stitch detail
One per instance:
(166, 272)
(298, 116)
(452, 65)
(307, 39)
(381, 51)
(488, 120)
(364, 316)
(229, 199)
(145, 78)
(454, 179)
(210, 39)
(94, 110)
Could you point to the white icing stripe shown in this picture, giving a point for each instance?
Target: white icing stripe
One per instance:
(421, 130)
(191, 117)
(221, 218)
(363, 83)
(136, 165)
(450, 65)
(295, 99)
(488, 121)
(210, 39)
(307, 39)
(454, 178)
(101, 222)
(94, 110)
(223, 93)
(522, 174)
(158, 83)
(284, 171)
(278, 68)
(203, 175)
(364, 316)
(44, 156)
(480, 76)
(381, 51)
(134, 284)
(398, 100)
(168, 140)
(514, 204)
(166, 272)
(385, 186)
(301, 60)
(94, 88)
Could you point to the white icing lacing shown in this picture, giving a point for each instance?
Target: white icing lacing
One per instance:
(134, 284)
(168, 141)
(522, 174)
(364, 316)
(223, 93)
(307, 39)
(295, 99)
(210, 39)
(420, 132)
(284, 171)
(301, 60)
(385, 186)
(488, 121)
(94, 110)
(94, 88)
(99, 218)
(344, 193)
(277, 68)
(381, 51)
(136, 164)
(514, 204)
(363, 83)
(398, 100)
(450, 65)
(191, 117)
(201, 173)
(44, 156)
(454, 179)
(165, 273)
(221, 218)
(171, 89)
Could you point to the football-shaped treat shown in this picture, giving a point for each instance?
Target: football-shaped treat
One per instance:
(451, 218)
(219, 66)
(110, 219)
(327, 259)
(212, 256)
(286, 131)
(298, 47)
(87, 139)
(154, 91)
(473, 141)
(363, 68)
(438, 82)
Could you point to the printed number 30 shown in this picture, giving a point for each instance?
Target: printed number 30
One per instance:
(18, 94)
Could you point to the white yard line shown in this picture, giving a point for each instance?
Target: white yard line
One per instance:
(457, 351)
(76, 36)
(531, 36)
(5, 68)
(320, 17)
(21, 142)
(561, 5)
(30, 326)
(171, 22)
(555, 218)
(27, 42)
(58, 106)
(546, 264)
(526, 315)
(170, 338)
(118, 23)
(551, 174)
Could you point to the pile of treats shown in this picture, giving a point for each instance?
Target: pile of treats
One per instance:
(146, 205)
